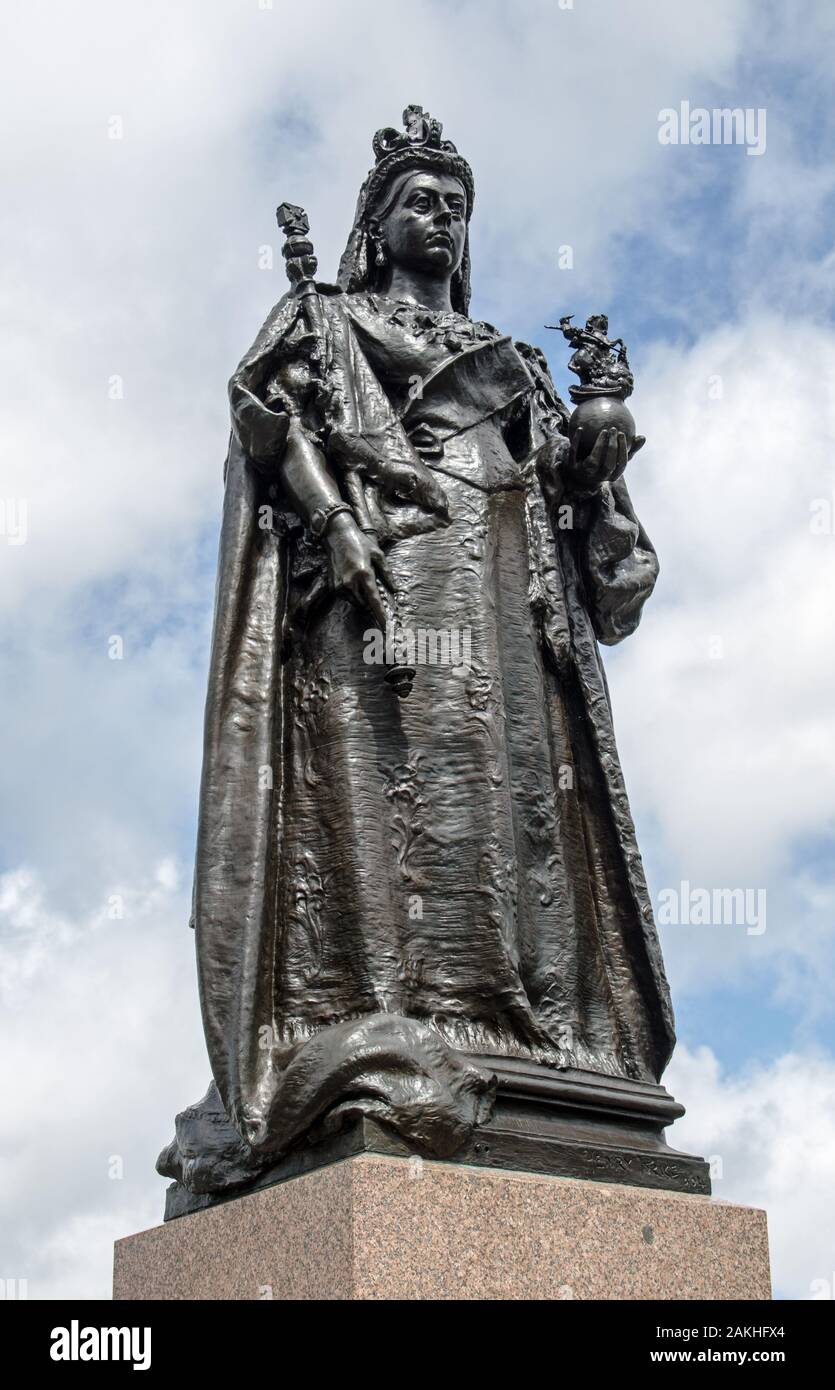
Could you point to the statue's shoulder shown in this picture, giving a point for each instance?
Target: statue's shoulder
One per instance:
(534, 359)
(548, 398)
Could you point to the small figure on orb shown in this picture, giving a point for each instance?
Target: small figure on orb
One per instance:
(599, 361)
(605, 382)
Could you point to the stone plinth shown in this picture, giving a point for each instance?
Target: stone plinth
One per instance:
(373, 1227)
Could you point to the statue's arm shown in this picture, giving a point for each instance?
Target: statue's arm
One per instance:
(611, 549)
(305, 477)
(283, 444)
(591, 513)
(268, 393)
(619, 564)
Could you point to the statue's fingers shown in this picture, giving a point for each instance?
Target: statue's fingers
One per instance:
(427, 492)
(613, 437)
(369, 594)
(437, 499)
(601, 459)
(381, 567)
(622, 456)
(597, 456)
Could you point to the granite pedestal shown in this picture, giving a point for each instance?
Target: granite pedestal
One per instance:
(376, 1227)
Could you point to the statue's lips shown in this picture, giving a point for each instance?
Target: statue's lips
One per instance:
(440, 239)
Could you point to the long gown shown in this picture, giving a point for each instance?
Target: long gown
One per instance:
(391, 892)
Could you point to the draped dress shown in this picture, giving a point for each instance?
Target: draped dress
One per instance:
(389, 892)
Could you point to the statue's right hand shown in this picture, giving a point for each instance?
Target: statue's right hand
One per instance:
(356, 565)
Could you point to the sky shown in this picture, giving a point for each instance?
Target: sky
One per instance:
(148, 148)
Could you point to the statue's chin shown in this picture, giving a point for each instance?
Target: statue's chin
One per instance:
(437, 260)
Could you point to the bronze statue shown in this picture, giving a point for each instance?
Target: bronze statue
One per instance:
(421, 919)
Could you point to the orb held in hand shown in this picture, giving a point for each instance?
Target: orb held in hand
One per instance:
(605, 381)
(597, 413)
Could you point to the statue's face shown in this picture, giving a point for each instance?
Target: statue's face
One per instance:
(427, 227)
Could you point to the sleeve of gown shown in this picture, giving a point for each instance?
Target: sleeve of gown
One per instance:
(615, 556)
(619, 564)
(273, 382)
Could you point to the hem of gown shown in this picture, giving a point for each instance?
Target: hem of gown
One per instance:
(381, 1066)
(477, 1037)
(482, 1040)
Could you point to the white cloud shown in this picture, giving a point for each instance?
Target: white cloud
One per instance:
(725, 700)
(773, 1128)
(28, 932)
(75, 1260)
(101, 1046)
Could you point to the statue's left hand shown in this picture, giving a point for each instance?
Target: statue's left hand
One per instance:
(604, 464)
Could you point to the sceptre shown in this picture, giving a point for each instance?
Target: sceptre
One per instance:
(301, 263)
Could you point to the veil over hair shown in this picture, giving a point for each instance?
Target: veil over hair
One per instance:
(357, 270)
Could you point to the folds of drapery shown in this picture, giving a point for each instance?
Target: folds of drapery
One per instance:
(395, 1068)
(391, 1067)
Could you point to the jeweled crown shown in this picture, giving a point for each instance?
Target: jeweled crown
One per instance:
(422, 131)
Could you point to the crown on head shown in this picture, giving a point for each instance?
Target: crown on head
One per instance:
(419, 146)
(422, 132)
